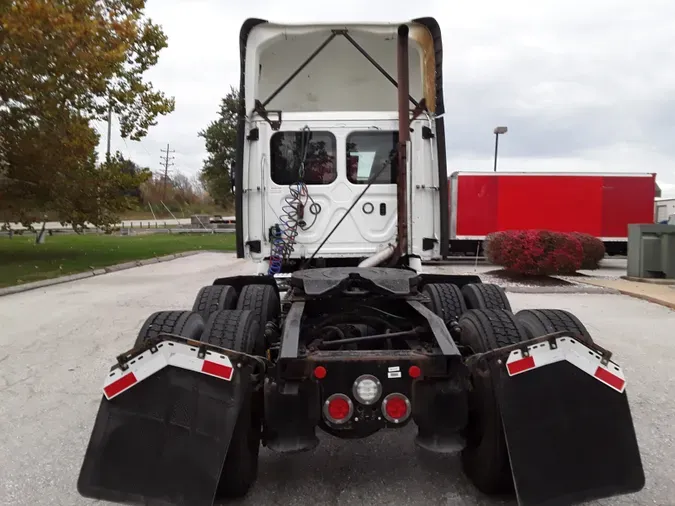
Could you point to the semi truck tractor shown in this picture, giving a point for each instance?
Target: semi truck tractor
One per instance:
(341, 193)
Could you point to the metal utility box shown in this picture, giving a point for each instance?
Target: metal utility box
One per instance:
(651, 251)
(200, 220)
(665, 208)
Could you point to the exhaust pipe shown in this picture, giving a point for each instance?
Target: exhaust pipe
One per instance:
(378, 258)
(403, 138)
(396, 252)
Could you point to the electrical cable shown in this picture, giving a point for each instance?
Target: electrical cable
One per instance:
(283, 239)
(294, 202)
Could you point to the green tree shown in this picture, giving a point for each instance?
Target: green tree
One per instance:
(64, 64)
(102, 192)
(132, 169)
(221, 140)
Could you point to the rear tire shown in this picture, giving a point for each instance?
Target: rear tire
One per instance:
(187, 324)
(485, 458)
(214, 298)
(485, 296)
(234, 329)
(539, 322)
(262, 301)
(446, 301)
(238, 330)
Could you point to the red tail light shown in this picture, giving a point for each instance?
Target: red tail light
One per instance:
(338, 408)
(396, 408)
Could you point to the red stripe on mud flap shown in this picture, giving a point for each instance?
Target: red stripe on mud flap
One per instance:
(222, 371)
(120, 385)
(607, 377)
(521, 365)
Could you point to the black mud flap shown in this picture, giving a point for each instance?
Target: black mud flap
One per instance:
(570, 437)
(164, 441)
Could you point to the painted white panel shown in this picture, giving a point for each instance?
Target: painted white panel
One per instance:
(339, 78)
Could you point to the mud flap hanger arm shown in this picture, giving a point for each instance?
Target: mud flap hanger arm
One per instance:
(260, 107)
(151, 344)
(523, 347)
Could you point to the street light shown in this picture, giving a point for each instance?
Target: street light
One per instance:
(498, 130)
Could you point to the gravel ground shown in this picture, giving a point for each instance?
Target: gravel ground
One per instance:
(57, 342)
(610, 268)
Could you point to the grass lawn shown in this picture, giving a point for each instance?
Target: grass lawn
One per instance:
(23, 261)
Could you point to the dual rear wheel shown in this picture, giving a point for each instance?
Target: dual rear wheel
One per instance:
(487, 322)
(262, 300)
(236, 321)
(449, 301)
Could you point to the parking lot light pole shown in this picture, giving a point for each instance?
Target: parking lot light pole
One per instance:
(499, 130)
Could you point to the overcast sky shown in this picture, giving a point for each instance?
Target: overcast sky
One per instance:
(581, 84)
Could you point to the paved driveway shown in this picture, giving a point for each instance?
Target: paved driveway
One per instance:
(56, 343)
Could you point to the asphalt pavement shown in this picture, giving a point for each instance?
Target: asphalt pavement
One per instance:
(56, 344)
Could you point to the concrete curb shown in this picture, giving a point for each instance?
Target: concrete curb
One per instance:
(562, 289)
(666, 282)
(94, 272)
(654, 299)
(648, 298)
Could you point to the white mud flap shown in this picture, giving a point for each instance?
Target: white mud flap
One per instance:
(164, 426)
(567, 423)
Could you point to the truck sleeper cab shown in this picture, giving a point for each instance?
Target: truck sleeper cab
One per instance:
(310, 140)
(311, 171)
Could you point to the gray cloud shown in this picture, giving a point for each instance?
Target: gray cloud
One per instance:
(581, 85)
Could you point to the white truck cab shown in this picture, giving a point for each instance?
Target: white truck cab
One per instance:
(319, 125)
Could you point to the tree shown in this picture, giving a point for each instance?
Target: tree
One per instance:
(221, 141)
(131, 168)
(3, 159)
(64, 64)
(102, 192)
(182, 193)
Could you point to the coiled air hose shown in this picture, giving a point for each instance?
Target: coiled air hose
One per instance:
(277, 253)
(283, 238)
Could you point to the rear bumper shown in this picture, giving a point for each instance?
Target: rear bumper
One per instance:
(295, 398)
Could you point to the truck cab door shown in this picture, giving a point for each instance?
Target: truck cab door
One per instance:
(424, 196)
(338, 162)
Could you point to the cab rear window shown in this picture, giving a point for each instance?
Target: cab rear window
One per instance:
(368, 153)
(316, 148)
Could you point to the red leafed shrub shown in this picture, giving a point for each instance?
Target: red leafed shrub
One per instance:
(594, 250)
(535, 252)
(493, 247)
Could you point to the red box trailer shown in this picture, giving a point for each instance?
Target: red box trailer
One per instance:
(600, 204)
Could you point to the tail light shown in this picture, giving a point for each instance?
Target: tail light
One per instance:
(338, 409)
(396, 408)
(414, 372)
(367, 389)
